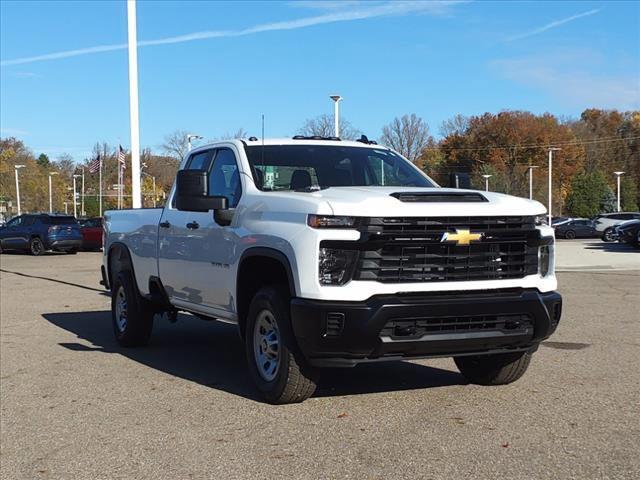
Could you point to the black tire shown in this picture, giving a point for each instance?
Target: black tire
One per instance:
(569, 234)
(294, 380)
(138, 313)
(607, 235)
(36, 247)
(73, 251)
(498, 369)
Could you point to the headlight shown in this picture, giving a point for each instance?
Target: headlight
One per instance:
(330, 221)
(335, 267)
(542, 220)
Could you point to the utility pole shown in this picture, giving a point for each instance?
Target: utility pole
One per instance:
(531, 167)
(50, 196)
(16, 168)
(551, 150)
(618, 175)
(136, 199)
(336, 113)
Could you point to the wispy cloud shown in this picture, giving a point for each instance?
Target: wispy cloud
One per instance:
(554, 24)
(360, 12)
(13, 132)
(25, 75)
(585, 86)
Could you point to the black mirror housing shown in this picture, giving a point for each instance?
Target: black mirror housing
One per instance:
(192, 192)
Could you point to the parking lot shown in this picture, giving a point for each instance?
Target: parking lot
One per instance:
(75, 405)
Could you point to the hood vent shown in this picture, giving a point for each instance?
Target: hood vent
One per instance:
(438, 197)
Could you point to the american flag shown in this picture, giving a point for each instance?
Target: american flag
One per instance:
(123, 164)
(95, 164)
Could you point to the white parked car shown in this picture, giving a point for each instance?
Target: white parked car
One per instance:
(604, 223)
(330, 253)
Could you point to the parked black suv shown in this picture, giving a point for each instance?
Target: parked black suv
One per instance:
(37, 233)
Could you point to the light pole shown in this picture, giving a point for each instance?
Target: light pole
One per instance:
(486, 181)
(195, 137)
(531, 167)
(18, 167)
(551, 150)
(618, 175)
(336, 113)
(50, 196)
(75, 200)
(136, 199)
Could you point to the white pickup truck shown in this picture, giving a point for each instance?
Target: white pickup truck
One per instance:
(330, 253)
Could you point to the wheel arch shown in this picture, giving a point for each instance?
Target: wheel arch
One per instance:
(257, 267)
(118, 260)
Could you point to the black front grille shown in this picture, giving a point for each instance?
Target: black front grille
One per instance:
(418, 327)
(412, 249)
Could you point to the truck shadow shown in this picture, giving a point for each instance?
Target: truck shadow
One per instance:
(614, 247)
(211, 354)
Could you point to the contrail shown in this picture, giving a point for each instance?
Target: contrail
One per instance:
(380, 10)
(554, 24)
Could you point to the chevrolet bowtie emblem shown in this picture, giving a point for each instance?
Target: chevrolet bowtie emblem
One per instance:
(462, 237)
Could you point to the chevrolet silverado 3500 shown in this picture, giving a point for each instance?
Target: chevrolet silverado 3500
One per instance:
(330, 253)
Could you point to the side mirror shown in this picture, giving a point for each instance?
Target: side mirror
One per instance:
(192, 192)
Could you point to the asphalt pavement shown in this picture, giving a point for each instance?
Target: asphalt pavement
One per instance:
(74, 405)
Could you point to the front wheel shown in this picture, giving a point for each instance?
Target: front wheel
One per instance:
(36, 247)
(276, 366)
(608, 235)
(497, 369)
(570, 235)
(131, 314)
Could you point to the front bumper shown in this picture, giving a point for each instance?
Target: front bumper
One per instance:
(391, 327)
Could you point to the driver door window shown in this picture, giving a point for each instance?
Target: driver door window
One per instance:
(224, 178)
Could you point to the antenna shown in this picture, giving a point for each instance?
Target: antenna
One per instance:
(263, 172)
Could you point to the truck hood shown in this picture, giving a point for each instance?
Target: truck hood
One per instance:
(379, 202)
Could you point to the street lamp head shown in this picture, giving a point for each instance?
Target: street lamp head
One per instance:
(19, 166)
(77, 176)
(53, 173)
(533, 166)
(618, 173)
(487, 176)
(554, 149)
(335, 98)
(197, 137)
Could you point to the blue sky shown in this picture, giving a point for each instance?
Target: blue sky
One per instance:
(59, 93)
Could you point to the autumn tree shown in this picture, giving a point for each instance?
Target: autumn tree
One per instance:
(407, 135)
(507, 143)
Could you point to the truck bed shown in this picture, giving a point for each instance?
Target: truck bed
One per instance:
(138, 230)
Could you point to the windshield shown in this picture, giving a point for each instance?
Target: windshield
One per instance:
(310, 167)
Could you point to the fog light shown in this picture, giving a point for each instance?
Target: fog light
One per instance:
(544, 260)
(335, 267)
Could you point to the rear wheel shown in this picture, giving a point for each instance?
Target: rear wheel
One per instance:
(36, 247)
(276, 365)
(569, 234)
(498, 369)
(131, 314)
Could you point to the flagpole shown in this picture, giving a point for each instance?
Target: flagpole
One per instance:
(82, 212)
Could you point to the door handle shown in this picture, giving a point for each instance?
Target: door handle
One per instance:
(165, 224)
(193, 225)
